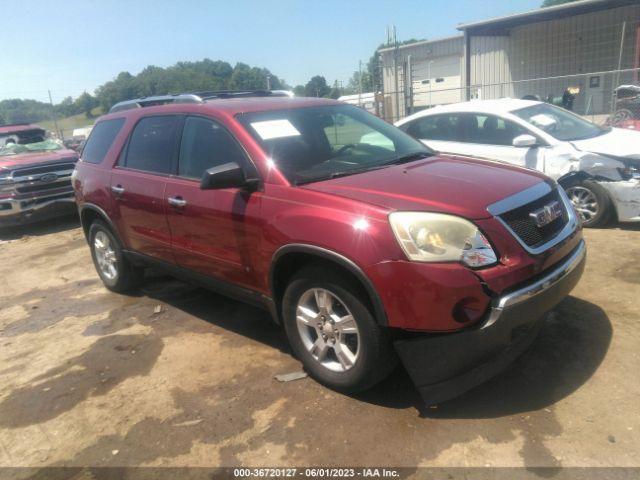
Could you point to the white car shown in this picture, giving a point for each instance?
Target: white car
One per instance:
(598, 167)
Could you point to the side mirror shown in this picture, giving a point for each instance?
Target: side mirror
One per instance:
(525, 141)
(229, 175)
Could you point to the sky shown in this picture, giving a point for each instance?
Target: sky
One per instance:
(69, 46)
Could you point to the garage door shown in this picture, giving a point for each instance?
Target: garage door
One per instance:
(438, 82)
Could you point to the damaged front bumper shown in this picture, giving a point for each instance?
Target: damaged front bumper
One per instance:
(625, 196)
(445, 365)
(21, 211)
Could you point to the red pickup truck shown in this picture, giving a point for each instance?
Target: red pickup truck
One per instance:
(35, 176)
(363, 243)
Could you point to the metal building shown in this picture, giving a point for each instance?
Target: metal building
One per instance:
(587, 48)
(421, 74)
(588, 45)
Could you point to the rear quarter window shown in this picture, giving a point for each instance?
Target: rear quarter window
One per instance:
(100, 140)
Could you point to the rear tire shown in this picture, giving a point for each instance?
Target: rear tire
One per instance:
(591, 201)
(115, 271)
(355, 353)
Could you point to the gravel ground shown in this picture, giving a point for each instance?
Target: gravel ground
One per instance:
(92, 378)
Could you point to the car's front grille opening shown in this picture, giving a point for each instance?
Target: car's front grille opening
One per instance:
(524, 225)
(45, 187)
(50, 168)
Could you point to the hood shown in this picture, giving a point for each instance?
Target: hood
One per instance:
(30, 158)
(618, 142)
(442, 183)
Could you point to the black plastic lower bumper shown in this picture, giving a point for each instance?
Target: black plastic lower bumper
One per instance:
(445, 365)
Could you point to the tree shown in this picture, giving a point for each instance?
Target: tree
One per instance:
(85, 103)
(317, 87)
(298, 90)
(204, 75)
(551, 3)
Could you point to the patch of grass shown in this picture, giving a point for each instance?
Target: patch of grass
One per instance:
(75, 121)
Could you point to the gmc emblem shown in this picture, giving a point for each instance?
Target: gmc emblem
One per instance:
(547, 214)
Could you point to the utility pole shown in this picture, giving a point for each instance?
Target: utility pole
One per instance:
(55, 121)
(360, 83)
(268, 82)
(430, 80)
(396, 51)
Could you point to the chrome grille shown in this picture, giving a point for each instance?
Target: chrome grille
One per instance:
(44, 179)
(42, 169)
(524, 226)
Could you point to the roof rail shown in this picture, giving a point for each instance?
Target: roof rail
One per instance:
(196, 97)
(156, 100)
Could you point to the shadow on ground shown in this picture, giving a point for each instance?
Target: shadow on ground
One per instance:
(234, 316)
(45, 227)
(570, 347)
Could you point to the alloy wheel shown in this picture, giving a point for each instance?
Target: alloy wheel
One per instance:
(328, 329)
(105, 255)
(584, 201)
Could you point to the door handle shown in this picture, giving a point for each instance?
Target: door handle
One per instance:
(177, 202)
(117, 189)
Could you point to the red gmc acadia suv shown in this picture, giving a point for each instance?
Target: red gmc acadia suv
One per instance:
(366, 245)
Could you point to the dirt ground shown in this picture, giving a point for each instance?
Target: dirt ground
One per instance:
(92, 378)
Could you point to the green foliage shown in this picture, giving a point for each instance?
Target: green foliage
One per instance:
(17, 110)
(181, 77)
(85, 103)
(24, 111)
(551, 3)
(185, 77)
(317, 87)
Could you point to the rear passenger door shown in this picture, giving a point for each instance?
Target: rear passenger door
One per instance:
(491, 136)
(477, 135)
(214, 232)
(138, 185)
(443, 133)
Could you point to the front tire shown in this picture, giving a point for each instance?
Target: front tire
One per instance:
(333, 333)
(591, 201)
(116, 273)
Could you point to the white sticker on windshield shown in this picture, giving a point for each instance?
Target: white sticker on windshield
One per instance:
(275, 129)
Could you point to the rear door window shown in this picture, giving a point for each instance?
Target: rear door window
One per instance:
(100, 140)
(206, 144)
(492, 130)
(436, 127)
(152, 144)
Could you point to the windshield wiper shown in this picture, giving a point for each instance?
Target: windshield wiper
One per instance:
(410, 157)
(339, 174)
(343, 173)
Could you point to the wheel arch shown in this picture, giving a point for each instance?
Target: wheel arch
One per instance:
(570, 177)
(89, 213)
(290, 258)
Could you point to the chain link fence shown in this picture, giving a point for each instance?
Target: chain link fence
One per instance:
(589, 67)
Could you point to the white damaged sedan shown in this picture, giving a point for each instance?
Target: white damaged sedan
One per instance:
(599, 167)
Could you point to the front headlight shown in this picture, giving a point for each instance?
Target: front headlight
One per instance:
(436, 237)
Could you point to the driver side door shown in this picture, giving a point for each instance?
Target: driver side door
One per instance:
(213, 232)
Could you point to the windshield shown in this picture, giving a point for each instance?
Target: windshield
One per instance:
(559, 123)
(316, 143)
(15, 149)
